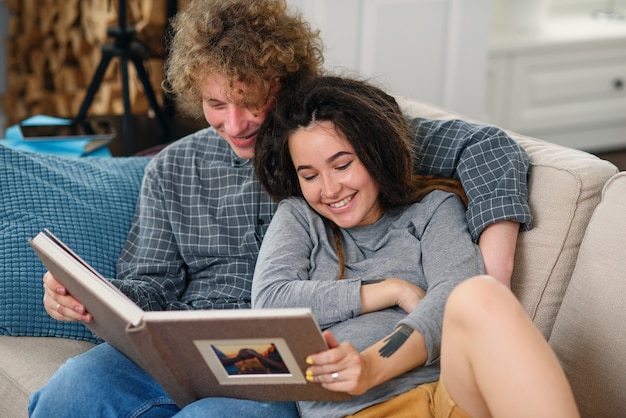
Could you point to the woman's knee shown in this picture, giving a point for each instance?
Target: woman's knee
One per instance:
(480, 299)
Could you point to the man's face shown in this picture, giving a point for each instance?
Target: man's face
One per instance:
(236, 123)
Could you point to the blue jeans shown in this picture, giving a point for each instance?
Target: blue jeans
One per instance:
(103, 382)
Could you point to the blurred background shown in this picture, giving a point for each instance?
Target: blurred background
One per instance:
(554, 69)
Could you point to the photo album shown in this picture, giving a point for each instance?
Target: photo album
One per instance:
(256, 354)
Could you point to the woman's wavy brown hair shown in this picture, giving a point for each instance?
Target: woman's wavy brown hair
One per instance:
(369, 118)
(258, 43)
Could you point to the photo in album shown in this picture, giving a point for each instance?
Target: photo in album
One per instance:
(244, 361)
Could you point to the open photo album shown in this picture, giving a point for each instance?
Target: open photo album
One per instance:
(256, 354)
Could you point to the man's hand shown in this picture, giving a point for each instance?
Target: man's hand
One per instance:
(59, 304)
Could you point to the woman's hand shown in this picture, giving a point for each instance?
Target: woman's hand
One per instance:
(59, 304)
(340, 368)
(408, 295)
(390, 292)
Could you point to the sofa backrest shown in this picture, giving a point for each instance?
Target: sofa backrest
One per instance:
(565, 187)
(588, 335)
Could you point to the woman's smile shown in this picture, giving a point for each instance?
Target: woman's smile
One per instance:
(332, 178)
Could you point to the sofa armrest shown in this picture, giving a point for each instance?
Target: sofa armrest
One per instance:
(588, 334)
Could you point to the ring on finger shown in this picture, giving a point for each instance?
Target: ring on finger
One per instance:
(58, 307)
(334, 376)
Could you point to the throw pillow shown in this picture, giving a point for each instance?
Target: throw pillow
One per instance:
(87, 202)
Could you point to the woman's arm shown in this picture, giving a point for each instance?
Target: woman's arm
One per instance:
(449, 256)
(342, 368)
(282, 275)
(388, 293)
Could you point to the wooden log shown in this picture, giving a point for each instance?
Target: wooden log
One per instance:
(63, 104)
(56, 56)
(14, 6)
(34, 92)
(19, 109)
(48, 15)
(155, 72)
(78, 44)
(65, 21)
(37, 67)
(95, 19)
(102, 102)
(54, 47)
(29, 16)
(67, 80)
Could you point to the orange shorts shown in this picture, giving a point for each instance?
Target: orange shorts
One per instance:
(427, 400)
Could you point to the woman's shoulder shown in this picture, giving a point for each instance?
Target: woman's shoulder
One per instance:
(439, 196)
(434, 201)
(295, 205)
(436, 198)
(296, 209)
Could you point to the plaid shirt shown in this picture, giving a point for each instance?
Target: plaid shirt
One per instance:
(201, 214)
(492, 167)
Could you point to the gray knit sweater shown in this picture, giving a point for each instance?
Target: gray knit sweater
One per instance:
(427, 243)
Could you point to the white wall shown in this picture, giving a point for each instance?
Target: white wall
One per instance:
(430, 50)
(577, 6)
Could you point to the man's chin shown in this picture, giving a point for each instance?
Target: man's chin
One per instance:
(243, 149)
(244, 153)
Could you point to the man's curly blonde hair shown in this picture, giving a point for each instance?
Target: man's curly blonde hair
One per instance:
(254, 42)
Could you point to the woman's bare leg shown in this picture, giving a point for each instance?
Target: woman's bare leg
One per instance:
(494, 361)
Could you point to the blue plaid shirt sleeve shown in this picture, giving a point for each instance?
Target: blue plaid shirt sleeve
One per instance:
(492, 167)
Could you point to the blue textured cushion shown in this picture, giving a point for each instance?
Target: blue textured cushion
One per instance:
(89, 203)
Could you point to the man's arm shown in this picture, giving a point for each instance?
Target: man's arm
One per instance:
(494, 171)
(150, 269)
(497, 244)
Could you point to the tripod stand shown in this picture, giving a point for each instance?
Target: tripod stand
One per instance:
(126, 47)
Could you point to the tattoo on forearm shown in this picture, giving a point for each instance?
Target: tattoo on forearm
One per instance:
(395, 341)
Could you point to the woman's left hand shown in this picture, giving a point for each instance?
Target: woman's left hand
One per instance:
(341, 368)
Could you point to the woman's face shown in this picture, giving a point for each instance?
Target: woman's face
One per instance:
(236, 123)
(332, 178)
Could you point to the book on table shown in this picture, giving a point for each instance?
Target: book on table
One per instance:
(62, 137)
(257, 354)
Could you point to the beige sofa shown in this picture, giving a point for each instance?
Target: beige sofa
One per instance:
(569, 275)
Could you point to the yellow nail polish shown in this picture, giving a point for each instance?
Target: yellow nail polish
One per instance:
(309, 360)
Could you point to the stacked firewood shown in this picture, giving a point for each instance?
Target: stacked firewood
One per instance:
(54, 47)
